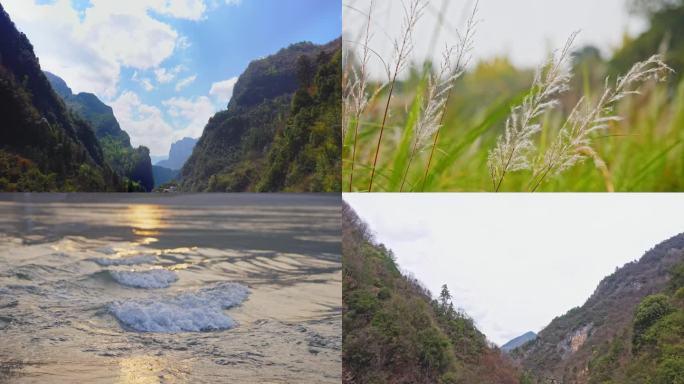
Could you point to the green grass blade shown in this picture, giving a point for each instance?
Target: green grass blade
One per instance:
(403, 152)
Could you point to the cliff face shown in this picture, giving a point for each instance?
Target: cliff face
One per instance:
(88, 106)
(179, 153)
(567, 348)
(253, 144)
(44, 146)
(131, 163)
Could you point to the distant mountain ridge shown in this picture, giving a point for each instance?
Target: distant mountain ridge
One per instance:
(518, 341)
(280, 131)
(179, 153)
(132, 163)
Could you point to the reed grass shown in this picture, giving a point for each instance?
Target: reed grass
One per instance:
(493, 127)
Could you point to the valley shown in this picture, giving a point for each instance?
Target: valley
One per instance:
(629, 331)
(279, 132)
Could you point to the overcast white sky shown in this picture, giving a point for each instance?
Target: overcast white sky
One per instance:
(525, 30)
(516, 261)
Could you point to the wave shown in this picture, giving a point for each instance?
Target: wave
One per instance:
(132, 260)
(155, 278)
(198, 311)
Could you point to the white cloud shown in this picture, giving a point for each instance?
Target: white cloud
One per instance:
(90, 52)
(183, 9)
(145, 82)
(185, 82)
(165, 76)
(182, 43)
(89, 49)
(56, 33)
(144, 123)
(222, 91)
(194, 114)
(217, 3)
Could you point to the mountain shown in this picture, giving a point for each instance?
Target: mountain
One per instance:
(132, 163)
(179, 153)
(394, 331)
(99, 115)
(43, 145)
(631, 329)
(280, 131)
(163, 175)
(518, 341)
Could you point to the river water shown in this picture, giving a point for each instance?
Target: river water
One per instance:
(212, 288)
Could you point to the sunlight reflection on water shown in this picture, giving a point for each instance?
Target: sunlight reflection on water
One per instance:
(146, 220)
(56, 260)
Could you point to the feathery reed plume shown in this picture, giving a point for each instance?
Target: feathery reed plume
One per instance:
(402, 51)
(438, 87)
(513, 149)
(355, 94)
(464, 48)
(573, 144)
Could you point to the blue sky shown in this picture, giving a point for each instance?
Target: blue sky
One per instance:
(165, 66)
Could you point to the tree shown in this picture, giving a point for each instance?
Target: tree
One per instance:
(649, 311)
(677, 277)
(305, 71)
(649, 7)
(444, 299)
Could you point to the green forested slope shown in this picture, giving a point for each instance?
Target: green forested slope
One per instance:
(280, 131)
(43, 146)
(629, 331)
(651, 349)
(395, 332)
(134, 164)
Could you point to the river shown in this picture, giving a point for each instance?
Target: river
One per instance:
(205, 288)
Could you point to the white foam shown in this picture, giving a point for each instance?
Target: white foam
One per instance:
(154, 278)
(197, 311)
(131, 260)
(106, 250)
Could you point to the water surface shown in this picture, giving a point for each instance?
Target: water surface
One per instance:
(208, 288)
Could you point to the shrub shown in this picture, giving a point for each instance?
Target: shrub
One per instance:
(433, 349)
(670, 371)
(649, 311)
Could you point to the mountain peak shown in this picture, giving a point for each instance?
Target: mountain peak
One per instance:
(518, 341)
(58, 84)
(179, 153)
(274, 75)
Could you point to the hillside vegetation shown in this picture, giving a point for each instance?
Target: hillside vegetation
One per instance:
(280, 131)
(43, 146)
(394, 331)
(631, 330)
(133, 164)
